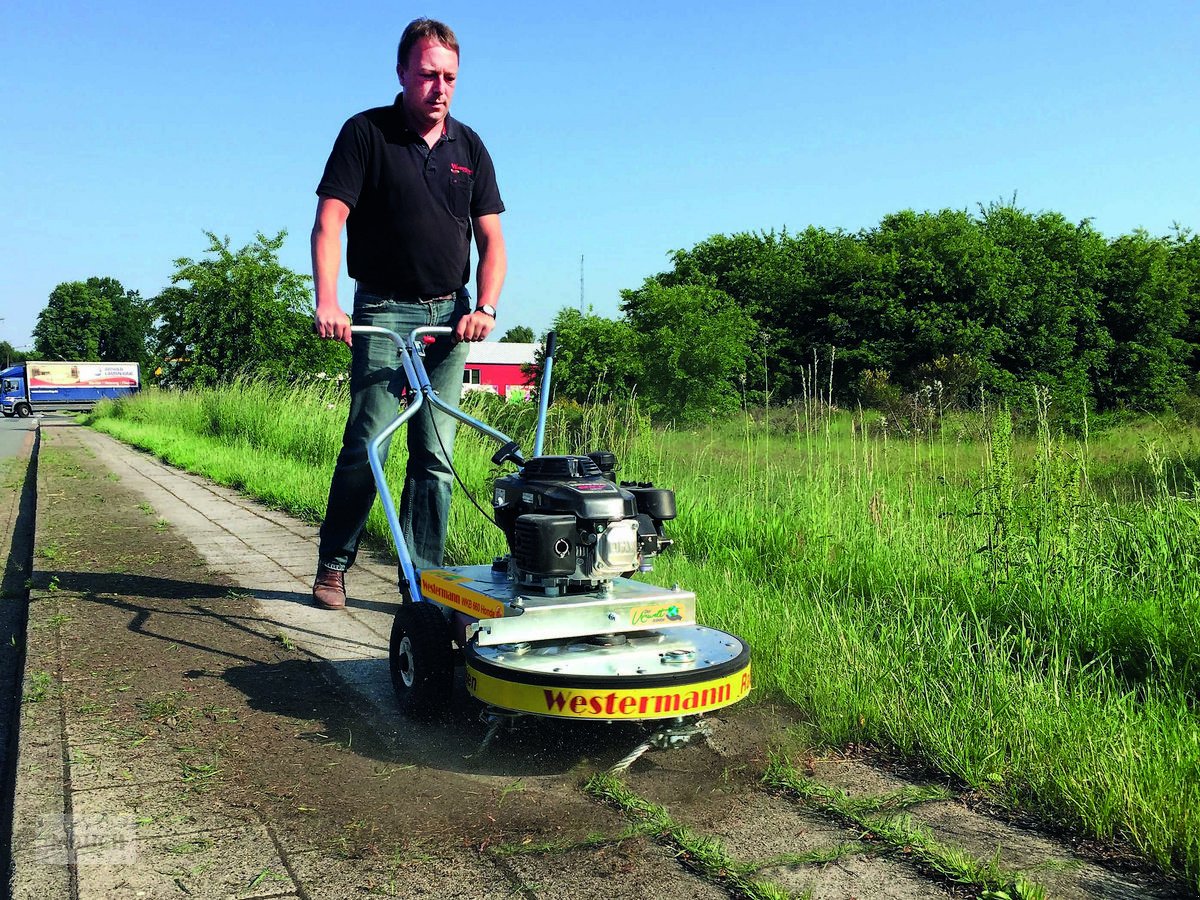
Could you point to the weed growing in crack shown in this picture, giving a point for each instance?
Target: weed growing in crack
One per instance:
(898, 832)
(704, 855)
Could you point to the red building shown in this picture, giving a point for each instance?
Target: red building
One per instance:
(496, 367)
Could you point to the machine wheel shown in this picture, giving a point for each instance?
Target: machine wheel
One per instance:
(420, 660)
(23, 410)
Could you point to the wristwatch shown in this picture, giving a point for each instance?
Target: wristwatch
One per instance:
(487, 309)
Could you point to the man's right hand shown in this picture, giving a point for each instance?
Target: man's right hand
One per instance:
(332, 323)
(329, 321)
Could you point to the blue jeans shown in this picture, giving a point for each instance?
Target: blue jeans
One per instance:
(376, 382)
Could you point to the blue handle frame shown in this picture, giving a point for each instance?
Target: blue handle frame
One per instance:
(409, 350)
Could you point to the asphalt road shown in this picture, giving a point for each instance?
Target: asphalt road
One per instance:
(12, 435)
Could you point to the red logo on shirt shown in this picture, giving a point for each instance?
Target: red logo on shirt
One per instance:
(460, 170)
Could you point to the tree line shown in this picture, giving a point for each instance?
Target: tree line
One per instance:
(990, 304)
(226, 313)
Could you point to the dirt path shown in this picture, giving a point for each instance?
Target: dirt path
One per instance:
(193, 728)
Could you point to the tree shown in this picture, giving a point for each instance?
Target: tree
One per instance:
(10, 355)
(1185, 261)
(1049, 277)
(693, 340)
(239, 312)
(96, 320)
(518, 334)
(596, 358)
(1145, 311)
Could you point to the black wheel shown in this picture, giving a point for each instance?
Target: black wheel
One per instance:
(23, 410)
(420, 659)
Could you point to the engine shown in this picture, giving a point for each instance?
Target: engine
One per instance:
(572, 527)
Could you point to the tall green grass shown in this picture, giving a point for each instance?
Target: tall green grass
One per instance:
(1023, 614)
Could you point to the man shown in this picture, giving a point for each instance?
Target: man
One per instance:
(411, 185)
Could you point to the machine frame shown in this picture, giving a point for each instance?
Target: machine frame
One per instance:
(625, 651)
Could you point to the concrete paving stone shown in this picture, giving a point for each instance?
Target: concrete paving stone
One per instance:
(857, 778)
(287, 523)
(404, 874)
(304, 562)
(39, 814)
(1047, 861)
(84, 732)
(368, 670)
(235, 564)
(759, 827)
(145, 814)
(192, 524)
(266, 538)
(41, 726)
(856, 878)
(225, 541)
(37, 875)
(284, 539)
(335, 650)
(235, 864)
(321, 626)
(265, 576)
(103, 765)
(41, 753)
(213, 543)
(634, 869)
(741, 735)
(301, 571)
(265, 533)
(379, 696)
(253, 575)
(93, 729)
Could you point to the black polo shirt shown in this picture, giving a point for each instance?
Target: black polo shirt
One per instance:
(411, 207)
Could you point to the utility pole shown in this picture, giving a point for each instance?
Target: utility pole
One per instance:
(581, 282)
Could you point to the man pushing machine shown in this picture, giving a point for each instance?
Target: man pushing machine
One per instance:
(411, 185)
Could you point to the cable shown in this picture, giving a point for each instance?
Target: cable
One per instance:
(450, 461)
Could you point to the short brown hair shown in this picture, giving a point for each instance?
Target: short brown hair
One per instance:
(417, 30)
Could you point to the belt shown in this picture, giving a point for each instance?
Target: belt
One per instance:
(404, 296)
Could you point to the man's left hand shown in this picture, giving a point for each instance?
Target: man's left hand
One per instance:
(474, 327)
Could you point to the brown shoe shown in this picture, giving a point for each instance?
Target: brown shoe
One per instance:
(329, 589)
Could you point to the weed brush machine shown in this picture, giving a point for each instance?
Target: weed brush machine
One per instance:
(556, 628)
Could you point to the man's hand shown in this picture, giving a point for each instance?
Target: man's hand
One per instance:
(474, 327)
(332, 323)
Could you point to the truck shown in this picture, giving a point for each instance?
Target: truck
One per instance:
(40, 386)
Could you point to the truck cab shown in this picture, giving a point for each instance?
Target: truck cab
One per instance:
(13, 397)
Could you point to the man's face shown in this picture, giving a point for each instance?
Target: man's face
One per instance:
(428, 80)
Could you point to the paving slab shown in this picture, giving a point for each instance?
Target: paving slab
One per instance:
(151, 812)
(1062, 873)
(855, 776)
(417, 874)
(633, 869)
(857, 878)
(759, 827)
(239, 863)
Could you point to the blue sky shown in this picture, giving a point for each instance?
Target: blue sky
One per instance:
(620, 131)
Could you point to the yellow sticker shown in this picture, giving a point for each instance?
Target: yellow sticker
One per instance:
(616, 703)
(448, 588)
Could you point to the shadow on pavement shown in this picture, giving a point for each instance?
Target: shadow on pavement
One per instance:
(311, 687)
(529, 746)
